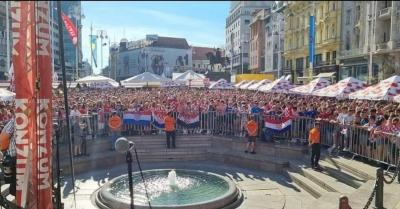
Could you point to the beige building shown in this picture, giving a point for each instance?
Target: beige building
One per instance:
(327, 38)
(257, 41)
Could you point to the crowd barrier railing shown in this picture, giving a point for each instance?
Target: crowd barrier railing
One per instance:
(360, 141)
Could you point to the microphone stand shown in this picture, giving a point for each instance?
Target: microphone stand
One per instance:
(130, 176)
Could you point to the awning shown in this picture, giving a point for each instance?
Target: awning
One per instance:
(325, 75)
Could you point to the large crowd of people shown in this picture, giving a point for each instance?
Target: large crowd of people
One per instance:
(375, 116)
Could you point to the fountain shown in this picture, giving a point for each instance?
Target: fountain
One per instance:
(167, 189)
(172, 179)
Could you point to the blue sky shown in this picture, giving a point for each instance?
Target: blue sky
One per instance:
(202, 23)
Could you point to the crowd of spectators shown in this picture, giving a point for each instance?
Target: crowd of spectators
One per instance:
(380, 115)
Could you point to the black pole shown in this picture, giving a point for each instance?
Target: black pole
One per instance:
(58, 189)
(141, 173)
(379, 189)
(130, 176)
(64, 80)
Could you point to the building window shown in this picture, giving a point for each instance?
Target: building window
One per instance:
(347, 44)
(318, 59)
(333, 35)
(328, 57)
(357, 37)
(333, 6)
(246, 22)
(307, 61)
(358, 13)
(334, 57)
(299, 63)
(348, 16)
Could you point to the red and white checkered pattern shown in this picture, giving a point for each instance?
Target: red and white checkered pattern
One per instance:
(279, 85)
(342, 89)
(384, 90)
(222, 84)
(309, 88)
(259, 84)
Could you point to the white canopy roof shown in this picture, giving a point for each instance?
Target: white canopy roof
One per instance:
(190, 75)
(384, 90)
(341, 89)
(222, 84)
(6, 95)
(279, 85)
(240, 83)
(259, 84)
(309, 88)
(246, 85)
(98, 81)
(145, 77)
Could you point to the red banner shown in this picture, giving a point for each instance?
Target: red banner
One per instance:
(32, 70)
(69, 26)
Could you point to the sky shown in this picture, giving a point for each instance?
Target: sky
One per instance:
(202, 23)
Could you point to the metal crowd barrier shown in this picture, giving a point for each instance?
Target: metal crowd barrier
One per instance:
(381, 147)
(361, 141)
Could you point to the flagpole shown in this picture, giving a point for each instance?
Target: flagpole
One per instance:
(8, 36)
(64, 80)
(91, 49)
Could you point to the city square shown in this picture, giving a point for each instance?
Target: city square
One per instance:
(199, 105)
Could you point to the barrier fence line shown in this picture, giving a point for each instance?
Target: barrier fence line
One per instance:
(360, 141)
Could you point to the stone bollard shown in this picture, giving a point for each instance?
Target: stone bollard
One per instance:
(344, 202)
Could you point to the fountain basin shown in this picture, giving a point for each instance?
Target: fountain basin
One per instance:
(193, 189)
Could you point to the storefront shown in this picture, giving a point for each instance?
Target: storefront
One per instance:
(357, 68)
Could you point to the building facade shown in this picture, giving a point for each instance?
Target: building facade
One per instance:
(3, 40)
(274, 40)
(155, 54)
(237, 33)
(327, 38)
(257, 41)
(72, 53)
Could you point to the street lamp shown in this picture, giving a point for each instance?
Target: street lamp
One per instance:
(76, 13)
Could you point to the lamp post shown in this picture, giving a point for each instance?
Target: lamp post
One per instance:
(76, 13)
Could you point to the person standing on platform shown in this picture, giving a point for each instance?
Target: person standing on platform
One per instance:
(115, 124)
(252, 130)
(170, 122)
(314, 139)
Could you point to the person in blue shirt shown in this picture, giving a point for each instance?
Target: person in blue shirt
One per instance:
(256, 109)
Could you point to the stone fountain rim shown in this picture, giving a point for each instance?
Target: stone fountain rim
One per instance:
(218, 202)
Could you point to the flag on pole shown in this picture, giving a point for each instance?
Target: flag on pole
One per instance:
(31, 57)
(93, 47)
(71, 28)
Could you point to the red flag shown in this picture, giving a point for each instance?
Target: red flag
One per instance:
(32, 70)
(70, 27)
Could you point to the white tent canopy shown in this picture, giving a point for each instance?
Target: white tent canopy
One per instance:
(341, 89)
(6, 95)
(384, 90)
(190, 75)
(279, 86)
(246, 85)
(241, 83)
(145, 77)
(171, 83)
(222, 84)
(309, 88)
(259, 84)
(98, 81)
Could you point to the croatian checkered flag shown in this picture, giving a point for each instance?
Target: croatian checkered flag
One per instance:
(11, 78)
